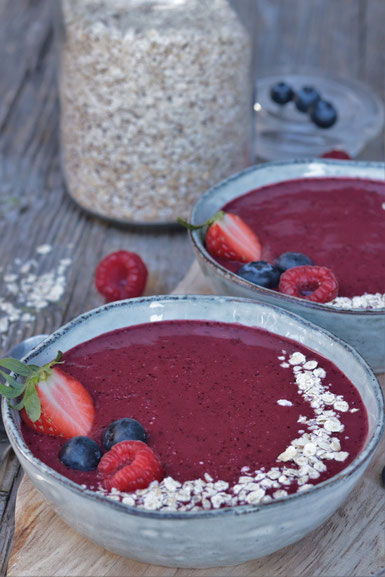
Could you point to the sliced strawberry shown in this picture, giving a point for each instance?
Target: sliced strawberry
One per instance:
(128, 466)
(50, 401)
(230, 238)
(67, 409)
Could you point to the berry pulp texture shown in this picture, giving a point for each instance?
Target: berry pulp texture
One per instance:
(205, 392)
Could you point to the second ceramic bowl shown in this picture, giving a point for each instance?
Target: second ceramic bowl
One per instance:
(226, 536)
(363, 329)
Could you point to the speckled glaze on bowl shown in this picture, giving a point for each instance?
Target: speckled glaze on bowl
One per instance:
(208, 538)
(364, 330)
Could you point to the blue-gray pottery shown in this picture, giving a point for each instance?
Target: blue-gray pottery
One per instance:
(363, 329)
(207, 538)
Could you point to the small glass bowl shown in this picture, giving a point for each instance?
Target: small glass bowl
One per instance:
(282, 132)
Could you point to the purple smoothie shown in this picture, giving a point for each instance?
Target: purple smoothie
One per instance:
(206, 393)
(338, 222)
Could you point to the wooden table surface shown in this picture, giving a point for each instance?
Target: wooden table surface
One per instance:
(337, 37)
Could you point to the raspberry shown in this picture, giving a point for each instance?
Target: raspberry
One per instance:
(121, 275)
(313, 283)
(340, 154)
(128, 466)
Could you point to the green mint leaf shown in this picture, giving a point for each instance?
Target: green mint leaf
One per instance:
(9, 392)
(17, 367)
(18, 406)
(35, 368)
(32, 403)
(12, 382)
(34, 375)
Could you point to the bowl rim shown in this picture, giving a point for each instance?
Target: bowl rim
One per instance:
(228, 275)
(54, 477)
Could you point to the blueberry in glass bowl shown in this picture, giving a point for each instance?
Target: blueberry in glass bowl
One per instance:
(305, 98)
(323, 114)
(281, 93)
(282, 132)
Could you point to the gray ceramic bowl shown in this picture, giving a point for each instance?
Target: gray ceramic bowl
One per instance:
(364, 330)
(206, 538)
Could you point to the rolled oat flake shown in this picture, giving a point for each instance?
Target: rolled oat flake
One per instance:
(156, 103)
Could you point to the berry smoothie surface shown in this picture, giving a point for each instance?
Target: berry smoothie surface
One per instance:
(213, 397)
(339, 223)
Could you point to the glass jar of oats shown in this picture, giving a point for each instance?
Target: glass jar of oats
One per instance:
(156, 103)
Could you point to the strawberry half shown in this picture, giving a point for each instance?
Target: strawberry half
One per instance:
(230, 238)
(52, 402)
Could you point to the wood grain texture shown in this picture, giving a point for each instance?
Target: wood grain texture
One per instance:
(372, 64)
(10, 477)
(341, 37)
(350, 544)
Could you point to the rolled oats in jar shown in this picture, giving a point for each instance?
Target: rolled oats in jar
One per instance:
(156, 103)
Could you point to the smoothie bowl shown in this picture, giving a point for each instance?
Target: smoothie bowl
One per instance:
(261, 423)
(333, 212)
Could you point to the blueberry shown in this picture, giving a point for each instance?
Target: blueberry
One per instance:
(291, 259)
(281, 93)
(81, 453)
(323, 114)
(305, 98)
(123, 430)
(261, 273)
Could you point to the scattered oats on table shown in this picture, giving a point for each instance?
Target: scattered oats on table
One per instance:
(25, 292)
(156, 105)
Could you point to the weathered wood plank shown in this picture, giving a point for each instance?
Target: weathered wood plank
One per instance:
(8, 467)
(372, 63)
(297, 34)
(3, 500)
(31, 19)
(10, 477)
